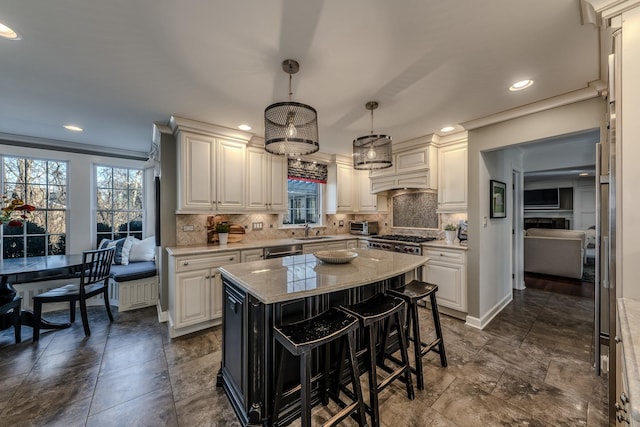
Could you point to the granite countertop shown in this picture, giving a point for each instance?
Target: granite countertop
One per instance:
(258, 244)
(283, 279)
(629, 315)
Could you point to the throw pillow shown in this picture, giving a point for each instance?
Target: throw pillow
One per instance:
(143, 250)
(123, 247)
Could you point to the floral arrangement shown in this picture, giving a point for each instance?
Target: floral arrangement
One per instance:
(450, 227)
(15, 211)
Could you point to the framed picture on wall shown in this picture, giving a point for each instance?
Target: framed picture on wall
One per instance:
(498, 200)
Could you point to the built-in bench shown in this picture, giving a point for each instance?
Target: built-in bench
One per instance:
(134, 285)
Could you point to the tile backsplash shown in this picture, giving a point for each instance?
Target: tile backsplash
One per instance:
(270, 223)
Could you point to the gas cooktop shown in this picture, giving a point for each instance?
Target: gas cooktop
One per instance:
(404, 238)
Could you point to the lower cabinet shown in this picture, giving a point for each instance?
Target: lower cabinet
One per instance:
(195, 291)
(447, 268)
(248, 255)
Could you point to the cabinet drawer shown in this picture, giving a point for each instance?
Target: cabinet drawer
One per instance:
(435, 254)
(196, 262)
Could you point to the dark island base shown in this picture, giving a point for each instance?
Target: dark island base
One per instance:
(249, 353)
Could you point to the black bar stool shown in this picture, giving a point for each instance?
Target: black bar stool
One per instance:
(300, 339)
(411, 294)
(14, 307)
(378, 310)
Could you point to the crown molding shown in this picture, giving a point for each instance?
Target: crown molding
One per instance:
(177, 123)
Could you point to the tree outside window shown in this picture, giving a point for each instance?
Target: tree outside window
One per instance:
(43, 184)
(119, 196)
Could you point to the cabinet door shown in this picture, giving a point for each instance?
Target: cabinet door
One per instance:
(278, 186)
(345, 188)
(193, 298)
(412, 160)
(352, 244)
(217, 298)
(368, 201)
(231, 175)
(310, 248)
(257, 182)
(196, 172)
(450, 278)
(452, 167)
(336, 245)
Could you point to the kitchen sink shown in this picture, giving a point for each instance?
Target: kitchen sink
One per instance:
(313, 238)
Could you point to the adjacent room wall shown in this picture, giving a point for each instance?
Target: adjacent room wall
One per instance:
(490, 249)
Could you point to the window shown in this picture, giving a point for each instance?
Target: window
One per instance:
(304, 190)
(43, 184)
(119, 195)
(304, 202)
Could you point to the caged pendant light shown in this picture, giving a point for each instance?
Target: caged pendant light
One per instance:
(290, 128)
(372, 151)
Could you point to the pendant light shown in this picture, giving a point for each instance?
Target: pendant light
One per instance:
(372, 151)
(290, 128)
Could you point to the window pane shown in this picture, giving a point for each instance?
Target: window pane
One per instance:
(12, 247)
(103, 177)
(35, 246)
(304, 206)
(120, 203)
(57, 244)
(43, 184)
(56, 222)
(36, 171)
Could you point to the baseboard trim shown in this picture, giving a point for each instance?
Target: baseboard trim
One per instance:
(482, 322)
(163, 316)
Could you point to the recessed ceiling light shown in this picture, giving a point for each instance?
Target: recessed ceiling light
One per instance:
(522, 84)
(584, 174)
(244, 127)
(447, 129)
(73, 128)
(8, 33)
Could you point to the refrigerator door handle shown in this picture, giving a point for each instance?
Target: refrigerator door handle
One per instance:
(605, 275)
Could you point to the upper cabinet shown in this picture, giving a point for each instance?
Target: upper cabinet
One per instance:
(452, 177)
(211, 167)
(414, 166)
(266, 181)
(349, 190)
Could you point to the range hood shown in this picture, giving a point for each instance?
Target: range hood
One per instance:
(417, 180)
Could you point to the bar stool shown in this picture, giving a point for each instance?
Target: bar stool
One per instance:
(372, 312)
(411, 294)
(300, 339)
(14, 307)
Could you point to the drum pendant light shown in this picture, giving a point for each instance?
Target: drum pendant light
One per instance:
(372, 151)
(290, 128)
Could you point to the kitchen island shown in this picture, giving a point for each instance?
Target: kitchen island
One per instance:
(262, 294)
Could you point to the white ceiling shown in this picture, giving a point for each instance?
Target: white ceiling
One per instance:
(115, 67)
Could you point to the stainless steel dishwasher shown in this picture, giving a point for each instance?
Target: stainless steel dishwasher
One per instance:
(282, 251)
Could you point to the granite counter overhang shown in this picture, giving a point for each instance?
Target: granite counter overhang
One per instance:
(258, 244)
(283, 279)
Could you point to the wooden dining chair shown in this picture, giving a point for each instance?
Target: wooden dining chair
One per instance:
(94, 280)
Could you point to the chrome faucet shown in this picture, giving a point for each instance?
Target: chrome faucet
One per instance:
(306, 229)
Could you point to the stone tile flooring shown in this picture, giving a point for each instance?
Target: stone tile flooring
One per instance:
(530, 366)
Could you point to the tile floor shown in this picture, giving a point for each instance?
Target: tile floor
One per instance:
(530, 366)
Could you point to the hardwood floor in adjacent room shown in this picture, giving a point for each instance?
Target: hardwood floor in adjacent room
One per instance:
(530, 366)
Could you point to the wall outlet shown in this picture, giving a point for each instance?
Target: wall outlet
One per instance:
(257, 225)
(341, 223)
(188, 228)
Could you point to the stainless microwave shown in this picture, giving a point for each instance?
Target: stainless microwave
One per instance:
(363, 227)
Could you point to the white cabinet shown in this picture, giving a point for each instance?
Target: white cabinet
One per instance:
(447, 268)
(368, 201)
(340, 188)
(452, 178)
(414, 167)
(352, 244)
(309, 248)
(349, 191)
(249, 255)
(195, 291)
(266, 181)
(211, 167)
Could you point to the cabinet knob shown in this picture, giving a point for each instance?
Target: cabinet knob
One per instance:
(186, 263)
(207, 277)
(617, 339)
(231, 259)
(624, 398)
